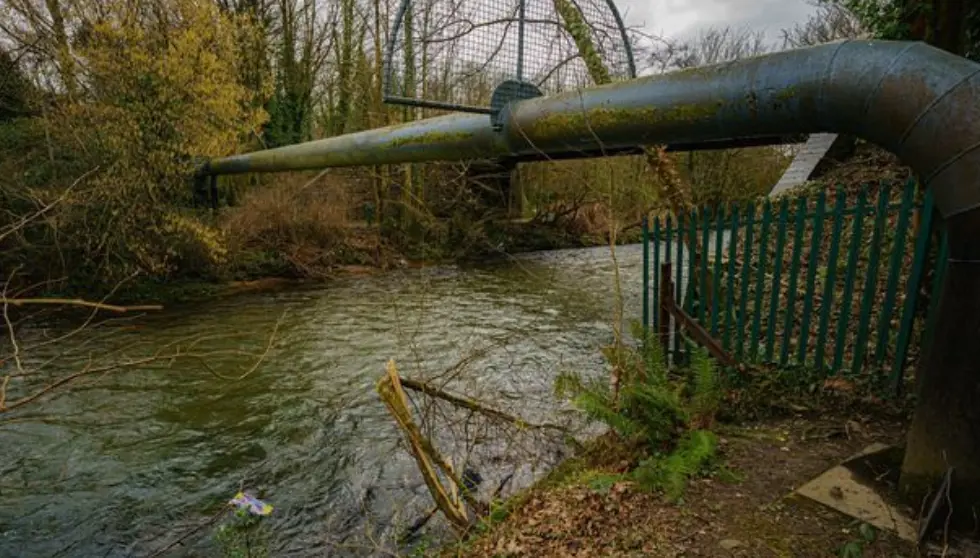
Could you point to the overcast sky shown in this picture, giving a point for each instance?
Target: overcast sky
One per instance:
(684, 18)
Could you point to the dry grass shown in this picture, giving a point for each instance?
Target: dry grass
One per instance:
(297, 225)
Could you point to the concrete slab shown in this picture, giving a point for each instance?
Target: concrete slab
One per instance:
(841, 489)
(805, 162)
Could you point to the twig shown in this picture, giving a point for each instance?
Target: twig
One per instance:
(72, 377)
(10, 331)
(3, 392)
(79, 302)
(473, 405)
(258, 362)
(11, 229)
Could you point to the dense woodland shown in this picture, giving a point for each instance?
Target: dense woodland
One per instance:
(106, 106)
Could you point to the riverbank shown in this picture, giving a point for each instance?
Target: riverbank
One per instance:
(743, 507)
(258, 272)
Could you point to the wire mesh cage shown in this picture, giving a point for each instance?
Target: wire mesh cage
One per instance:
(475, 55)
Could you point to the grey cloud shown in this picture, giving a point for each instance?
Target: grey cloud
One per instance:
(682, 19)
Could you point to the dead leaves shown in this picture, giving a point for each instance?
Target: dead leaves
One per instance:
(579, 521)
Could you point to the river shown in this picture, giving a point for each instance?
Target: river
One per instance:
(125, 464)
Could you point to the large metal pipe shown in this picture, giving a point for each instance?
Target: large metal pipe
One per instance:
(452, 137)
(921, 103)
(912, 99)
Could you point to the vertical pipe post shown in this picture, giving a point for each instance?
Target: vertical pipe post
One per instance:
(213, 187)
(520, 41)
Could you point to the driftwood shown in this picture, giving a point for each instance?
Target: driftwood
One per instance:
(473, 405)
(426, 456)
(452, 501)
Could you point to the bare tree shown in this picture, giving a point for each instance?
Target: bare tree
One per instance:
(710, 46)
(831, 22)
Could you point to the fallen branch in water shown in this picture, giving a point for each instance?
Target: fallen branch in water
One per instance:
(78, 302)
(473, 405)
(390, 390)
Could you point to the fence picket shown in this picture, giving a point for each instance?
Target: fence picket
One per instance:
(760, 277)
(894, 268)
(744, 282)
(645, 227)
(776, 273)
(870, 280)
(730, 284)
(794, 271)
(679, 283)
(811, 276)
(830, 281)
(735, 310)
(937, 281)
(912, 292)
(716, 284)
(852, 257)
(668, 249)
(692, 263)
(705, 295)
(656, 273)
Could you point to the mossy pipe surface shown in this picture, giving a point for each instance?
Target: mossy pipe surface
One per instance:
(919, 102)
(453, 137)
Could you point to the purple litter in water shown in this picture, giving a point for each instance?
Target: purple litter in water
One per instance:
(246, 501)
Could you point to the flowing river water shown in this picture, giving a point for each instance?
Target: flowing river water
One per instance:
(124, 465)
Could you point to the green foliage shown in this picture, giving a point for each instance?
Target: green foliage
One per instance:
(921, 20)
(243, 535)
(666, 413)
(115, 161)
(706, 389)
(694, 452)
(885, 18)
(855, 548)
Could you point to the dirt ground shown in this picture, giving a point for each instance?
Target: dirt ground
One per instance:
(743, 510)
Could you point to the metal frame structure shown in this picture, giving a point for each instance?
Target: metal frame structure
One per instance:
(405, 5)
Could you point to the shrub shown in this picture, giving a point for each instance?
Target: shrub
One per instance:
(666, 413)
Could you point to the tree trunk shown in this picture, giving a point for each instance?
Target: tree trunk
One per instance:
(66, 63)
(945, 431)
(941, 23)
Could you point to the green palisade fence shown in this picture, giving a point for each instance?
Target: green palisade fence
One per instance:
(837, 282)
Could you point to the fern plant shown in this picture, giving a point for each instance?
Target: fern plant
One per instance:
(669, 414)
